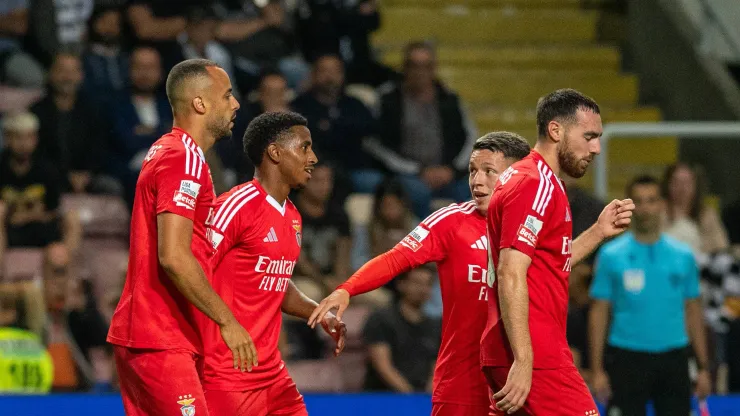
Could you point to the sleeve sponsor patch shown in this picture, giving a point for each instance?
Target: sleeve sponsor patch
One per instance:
(413, 240)
(529, 230)
(187, 194)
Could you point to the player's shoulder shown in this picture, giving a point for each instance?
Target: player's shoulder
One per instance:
(527, 172)
(236, 201)
(450, 215)
(178, 149)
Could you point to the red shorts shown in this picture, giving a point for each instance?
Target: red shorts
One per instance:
(159, 382)
(450, 409)
(555, 392)
(279, 398)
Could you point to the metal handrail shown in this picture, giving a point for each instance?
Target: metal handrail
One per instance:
(699, 129)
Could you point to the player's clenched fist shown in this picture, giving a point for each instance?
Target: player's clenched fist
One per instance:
(240, 343)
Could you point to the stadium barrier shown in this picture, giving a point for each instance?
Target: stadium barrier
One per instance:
(612, 131)
(318, 405)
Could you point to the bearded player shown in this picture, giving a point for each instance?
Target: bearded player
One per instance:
(154, 331)
(455, 238)
(529, 224)
(256, 233)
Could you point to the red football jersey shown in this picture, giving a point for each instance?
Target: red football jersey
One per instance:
(257, 243)
(455, 238)
(529, 212)
(152, 313)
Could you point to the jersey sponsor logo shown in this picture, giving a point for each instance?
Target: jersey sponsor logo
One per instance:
(633, 280)
(415, 237)
(268, 265)
(186, 405)
(479, 275)
(508, 173)
(411, 244)
(271, 236)
(481, 243)
(183, 200)
(190, 188)
(529, 230)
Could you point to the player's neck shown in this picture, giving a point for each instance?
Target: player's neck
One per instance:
(647, 237)
(273, 185)
(197, 132)
(549, 152)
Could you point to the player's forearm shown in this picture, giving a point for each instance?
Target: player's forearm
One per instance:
(697, 332)
(189, 278)
(585, 244)
(514, 298)
(598, 321)
(296, 303)
(376, 273)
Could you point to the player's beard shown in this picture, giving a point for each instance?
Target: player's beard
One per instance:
(220, 129)
(569, 162)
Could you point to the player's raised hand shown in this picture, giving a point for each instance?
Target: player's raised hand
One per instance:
(616, 217)
(337, 299)
(511, 398)
(240, 343)
(337, 330)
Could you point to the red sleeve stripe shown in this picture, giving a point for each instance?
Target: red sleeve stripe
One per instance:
(233, 203)
(193, 161)
(544, 190)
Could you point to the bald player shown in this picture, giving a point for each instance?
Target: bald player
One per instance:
(167, 290)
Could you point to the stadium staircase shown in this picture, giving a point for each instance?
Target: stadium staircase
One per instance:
(500, 56)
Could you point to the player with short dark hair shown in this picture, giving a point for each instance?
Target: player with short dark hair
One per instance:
(455, 238)
(256, 233)
(524, 351)
(154, 328)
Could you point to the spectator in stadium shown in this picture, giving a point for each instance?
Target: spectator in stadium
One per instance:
(199, 40)
(425, 133)
(17, 68)
(72, 133)
(338, 123)
(57, 26)
(325, 252)
(687, 217)
(392, 217)
(259, 36)
(402, 341)
(30, 190)
(105, 63)
(140, 115)
(650, 282)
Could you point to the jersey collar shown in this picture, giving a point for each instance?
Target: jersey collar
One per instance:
(538, 157)
(188, 140)
(270, 200)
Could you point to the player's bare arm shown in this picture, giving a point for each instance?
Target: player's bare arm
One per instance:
(697, 335)
(514, 303)
(380, 359)
(598, 322)
(174, 239)
(296, 303)
(613, 220)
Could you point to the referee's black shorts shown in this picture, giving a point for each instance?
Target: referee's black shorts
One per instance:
(638, 377)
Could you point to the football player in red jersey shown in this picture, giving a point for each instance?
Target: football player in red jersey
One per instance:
(256, 233)
(524, 351)
(154, 331)
(455, 238)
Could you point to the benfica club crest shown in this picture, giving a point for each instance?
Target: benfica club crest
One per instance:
(186, 403)
(297, 229)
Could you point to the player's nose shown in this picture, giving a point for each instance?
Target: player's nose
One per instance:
(594, 146)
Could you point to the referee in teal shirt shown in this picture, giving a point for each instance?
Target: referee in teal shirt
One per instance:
(651, 284)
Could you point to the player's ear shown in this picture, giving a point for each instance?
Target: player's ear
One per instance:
(199, 105)
(555, 130)
(273, 152)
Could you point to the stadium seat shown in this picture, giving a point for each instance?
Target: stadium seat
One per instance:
(100, 215)
(317, 376)
(23, 264)
(359, 208)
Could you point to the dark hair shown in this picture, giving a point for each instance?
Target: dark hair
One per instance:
(562, 105)
(184, 72)
(697, 205)
(512, 145)
(417, 45)
(268, 128)
(640, 180)
(390, 186)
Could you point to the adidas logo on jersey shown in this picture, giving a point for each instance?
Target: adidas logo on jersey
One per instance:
(271, 236)
(481, 243)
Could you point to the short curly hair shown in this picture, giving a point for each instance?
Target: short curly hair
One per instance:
(268, 128)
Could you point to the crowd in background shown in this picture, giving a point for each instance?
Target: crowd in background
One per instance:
(85, 101)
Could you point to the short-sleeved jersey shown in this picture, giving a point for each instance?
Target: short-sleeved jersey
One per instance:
(529, 212)
(455, 238)
(257, 243)
(152, 313)
(647, 286)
